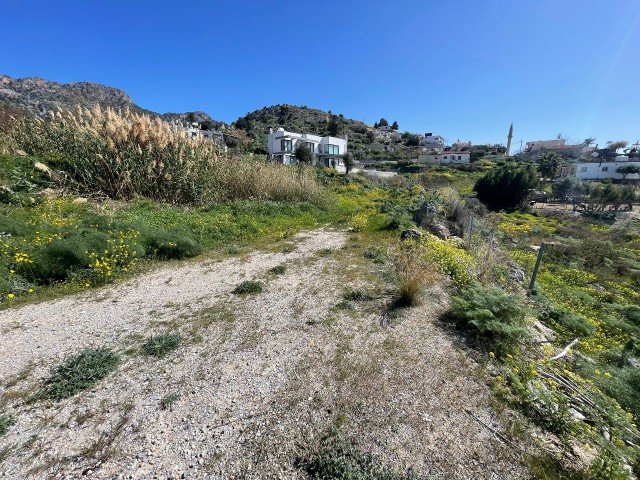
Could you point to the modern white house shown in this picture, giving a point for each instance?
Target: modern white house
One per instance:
(600, 170)
(444, 158)
(328, 151)
(194, 131)
(434, 142)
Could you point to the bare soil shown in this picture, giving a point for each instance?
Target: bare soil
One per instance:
(258, 378)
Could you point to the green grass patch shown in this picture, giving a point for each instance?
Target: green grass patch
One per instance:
(78, 373)
(344, 305)
(248, 287)
(6, 422)
(357, 295)
(161, 345)
(278, 269)
(167, 402)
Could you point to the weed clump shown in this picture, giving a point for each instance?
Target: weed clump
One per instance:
(278, 270)
(161, 345)
(78, 373)
(169, 245)
(336, 457)
(357, 295)
(375, 254)
(491, 314)
(6, 422)
(344, 305)
(167, 402)
(413, 274)
(248, 287)
(571, 321)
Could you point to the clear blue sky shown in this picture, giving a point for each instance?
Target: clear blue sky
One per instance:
(463, 69)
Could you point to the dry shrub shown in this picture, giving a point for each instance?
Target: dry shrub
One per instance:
(123, 154)
(413, 274)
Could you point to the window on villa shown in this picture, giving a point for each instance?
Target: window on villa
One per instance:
(331, 149)
(459, 157)
(311, 146)
(445, 157)
(605, 169)
(286, 145)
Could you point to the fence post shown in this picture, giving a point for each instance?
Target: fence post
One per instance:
(537, 267)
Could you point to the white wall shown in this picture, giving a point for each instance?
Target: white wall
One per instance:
(603, 170)
(444, 158)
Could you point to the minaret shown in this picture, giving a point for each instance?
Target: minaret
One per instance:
(509, 137)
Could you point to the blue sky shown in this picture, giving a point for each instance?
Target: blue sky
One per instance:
(463, 69)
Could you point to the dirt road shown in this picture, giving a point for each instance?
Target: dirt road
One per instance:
(256, 380)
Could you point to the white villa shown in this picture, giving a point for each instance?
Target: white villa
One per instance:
(434, 142)
(328, 151)
(444, 158)
(600, 170)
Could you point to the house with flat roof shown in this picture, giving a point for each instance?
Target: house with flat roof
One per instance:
(327, 151)
(444, 158)
(600, 170)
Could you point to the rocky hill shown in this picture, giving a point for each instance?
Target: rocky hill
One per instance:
(40, 96)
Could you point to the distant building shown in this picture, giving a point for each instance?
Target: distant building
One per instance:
(444, 158)
(433, 142)
(194, 131)
(599, 170)
(545, 145)
(328, 151)
(458, 145)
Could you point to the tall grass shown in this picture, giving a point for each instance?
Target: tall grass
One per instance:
(123, 154)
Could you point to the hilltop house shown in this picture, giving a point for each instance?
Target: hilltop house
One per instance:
(434, 142)
(328, 151)
(559, 146)
(599, 170)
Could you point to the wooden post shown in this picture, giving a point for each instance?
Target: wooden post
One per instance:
(537, 267)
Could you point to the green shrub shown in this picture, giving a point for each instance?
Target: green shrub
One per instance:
(56, 260)
(9, 226)
(338, 458)
(506, 186)
(6, 421)
(78, 373)
(248, 287)
(357, 295)
(169, 245)
(278, 269)
(491, 314)
(344, 305)
(376, 254)
(161, 345)
(167, 402)
(571, 321)
(632, 314)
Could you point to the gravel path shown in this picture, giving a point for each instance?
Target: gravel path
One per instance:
(257, 378)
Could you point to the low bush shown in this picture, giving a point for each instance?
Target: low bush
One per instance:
(78, 373)
(491, 314)
(161, 345)
(248, 287)
(339, 458)
(375, 254)
(166, 245)
(278, 269)
(6, 421)
(413, 274)
(357, 295)
(571, 321)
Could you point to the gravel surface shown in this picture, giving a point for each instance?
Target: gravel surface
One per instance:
(258, 378)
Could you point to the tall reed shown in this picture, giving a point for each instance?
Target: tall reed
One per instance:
(121, 154)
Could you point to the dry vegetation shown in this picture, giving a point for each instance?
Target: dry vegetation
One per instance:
(121, 155)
